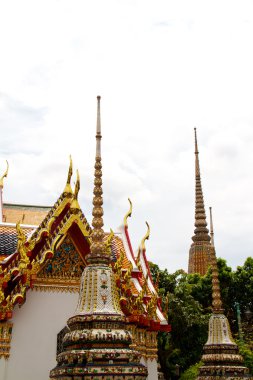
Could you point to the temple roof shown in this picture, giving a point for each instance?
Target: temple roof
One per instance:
(8, 238)
(26, 214)
(33, 250)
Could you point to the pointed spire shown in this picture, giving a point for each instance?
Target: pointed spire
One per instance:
(97, 248)
(211, 227)
(216, 296)
(200, 232)
(68, 189)
(98, 135)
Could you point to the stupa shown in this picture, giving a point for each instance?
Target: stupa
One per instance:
(221, 357)
(97, 344)
(199, 254)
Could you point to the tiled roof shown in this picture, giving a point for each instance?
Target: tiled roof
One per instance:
(8, 238)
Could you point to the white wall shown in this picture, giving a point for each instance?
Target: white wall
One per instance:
(35, 328)
(152, 368)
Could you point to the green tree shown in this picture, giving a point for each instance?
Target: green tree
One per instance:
(190, 304)
(243, 285)
(183, 346)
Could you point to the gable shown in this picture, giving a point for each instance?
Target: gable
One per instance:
(63, 271)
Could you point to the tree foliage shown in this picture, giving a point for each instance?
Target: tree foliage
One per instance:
(190, 301)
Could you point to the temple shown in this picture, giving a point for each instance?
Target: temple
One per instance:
(221, 358)
(199, 254)
(62, 276)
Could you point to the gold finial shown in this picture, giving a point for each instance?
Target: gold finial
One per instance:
(108, 243)
(21, 248)
(74, 203)
(4, 175)
(77, 185)
(129, 213)
(152, 306)
(68, 188)
(98, 135)
(146, 237)
(196, 153)
(119, 263)
(20, 234)
(97, 247)
(211, 227)
(201, 232)
(145, 285)
(70, 169)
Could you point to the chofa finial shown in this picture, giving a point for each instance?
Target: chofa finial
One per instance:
(129, 213)
(77, 185)
(146, 237)
(4, 175)
(74, 204)
(68, 188)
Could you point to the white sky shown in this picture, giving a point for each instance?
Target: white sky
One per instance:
(161, 67)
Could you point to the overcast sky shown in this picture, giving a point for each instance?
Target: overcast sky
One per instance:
(162, 68)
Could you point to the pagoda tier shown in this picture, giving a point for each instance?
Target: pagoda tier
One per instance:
(98, 343)
(221, 357)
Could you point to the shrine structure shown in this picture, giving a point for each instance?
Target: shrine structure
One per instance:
(40, 271)
(221, 358)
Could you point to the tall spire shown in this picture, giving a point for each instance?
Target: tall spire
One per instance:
(200, 232)
(97, 343)
(199, 255)
(211, 227)
(216, 295)
(97, 248)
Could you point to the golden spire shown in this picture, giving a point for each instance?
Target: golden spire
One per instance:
(216, 296)
(4, 175)
(211, 227)
(217, 303)
(68, 188)
(146, 237)
(97, 248)
(129, 213)
(200, 232)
